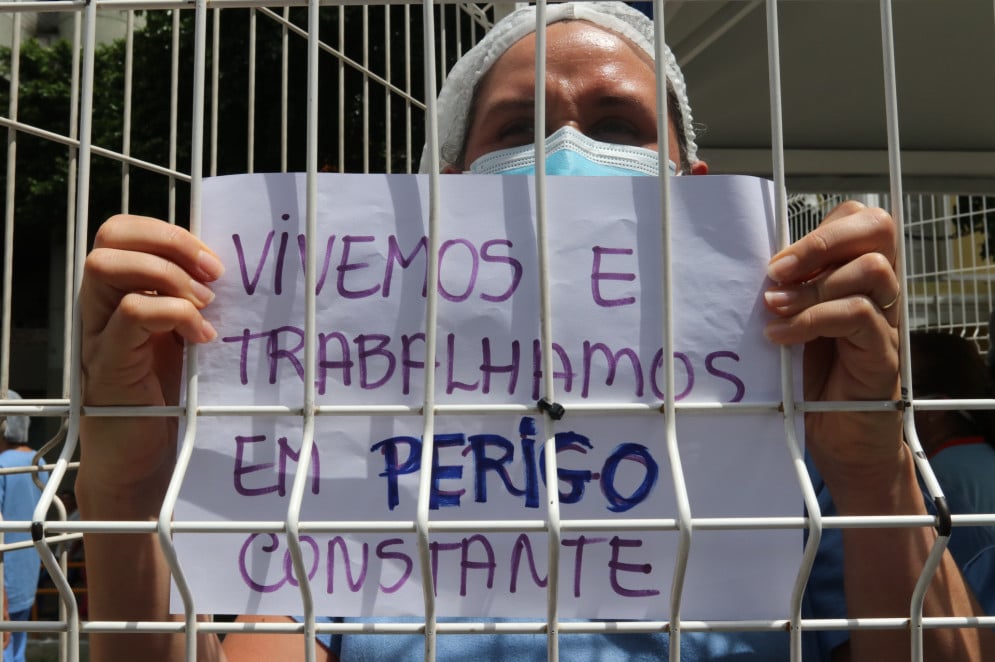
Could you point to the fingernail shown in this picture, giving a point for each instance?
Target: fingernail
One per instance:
(776, 330)
(783, 268)
(201, 292)
(209, 332)
(781, 298)
(210, 265)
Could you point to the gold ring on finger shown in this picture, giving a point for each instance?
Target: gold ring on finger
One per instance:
(893, 301)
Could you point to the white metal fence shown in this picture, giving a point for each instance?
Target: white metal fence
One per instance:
(105, 124)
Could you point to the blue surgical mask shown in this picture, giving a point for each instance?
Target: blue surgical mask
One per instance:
(570, 152)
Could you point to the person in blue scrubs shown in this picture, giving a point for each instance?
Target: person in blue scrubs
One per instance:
(18, 498)
(960, 446)
(833, 291)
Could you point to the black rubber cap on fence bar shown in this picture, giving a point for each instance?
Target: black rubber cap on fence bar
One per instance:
(943, 523)
(37, 531)
(554, 409)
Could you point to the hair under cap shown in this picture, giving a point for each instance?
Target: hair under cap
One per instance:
(457, 92)
(16, 430)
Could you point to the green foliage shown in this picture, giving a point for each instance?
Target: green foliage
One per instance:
(43, 166)
(44, 102)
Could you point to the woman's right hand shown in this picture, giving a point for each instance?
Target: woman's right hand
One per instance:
(144, 286)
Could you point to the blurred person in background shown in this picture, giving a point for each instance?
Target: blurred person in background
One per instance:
(19, 496)
(960, 444)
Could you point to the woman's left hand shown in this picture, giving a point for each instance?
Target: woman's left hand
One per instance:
(836, 291)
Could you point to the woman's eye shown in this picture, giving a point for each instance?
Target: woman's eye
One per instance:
(617, 131)
(517, 133)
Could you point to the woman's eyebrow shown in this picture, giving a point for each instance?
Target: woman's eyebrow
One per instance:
(509, 105)
(619, 100)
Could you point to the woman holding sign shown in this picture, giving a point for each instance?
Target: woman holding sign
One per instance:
(834, 291)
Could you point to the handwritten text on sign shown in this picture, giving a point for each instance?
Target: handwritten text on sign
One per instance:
(605, 275)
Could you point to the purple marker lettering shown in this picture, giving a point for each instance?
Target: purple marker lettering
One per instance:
(657, 369)
(728, 376)
(302, 250)
(524, 543)
(516, 268)
(466, 564)
(365, 352)
(689, 371)
(612, 360)
(385, 555)
(597, 275)
(407, 363)
(579, 542)
(488, 367)
(344, 363)
(617, 566)
(243, 354)
(566, 372)
(347, 562)
(288, 563)
(243, 563)
(242, 469)
(395, 256)
(281, 253)
(451, 382)
(345, 266)
(273, 351)
(471, 278)
(250, 284)
(287, 452)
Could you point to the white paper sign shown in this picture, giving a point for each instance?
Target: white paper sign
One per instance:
(605, 278)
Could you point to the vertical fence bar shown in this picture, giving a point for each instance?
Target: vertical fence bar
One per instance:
(8, 216)
(408, 164)
(898, 213)
(67, 310)
(554, 532)
(787, 363)
(186, 445)
(388, 129)
(683, 505)
(250, 139)
(174, 96)
(129, 66)
(215, 84)
(284, 82)
(366, 88)
(431, 317)
(68, 646)
(87, 33)
(341, 94)
(301, 477)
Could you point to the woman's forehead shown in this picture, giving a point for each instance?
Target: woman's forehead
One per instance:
(576, 52)
(574, 39)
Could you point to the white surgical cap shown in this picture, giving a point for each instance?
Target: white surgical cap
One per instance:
(17, 426)
(457, 92)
